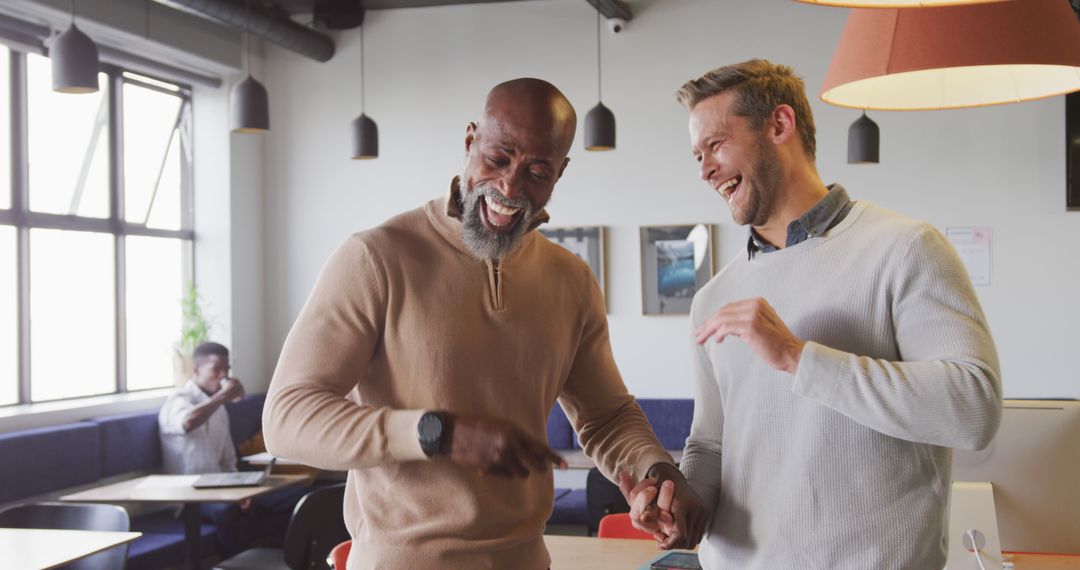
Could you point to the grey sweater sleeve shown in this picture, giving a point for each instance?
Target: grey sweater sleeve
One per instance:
(945, 389)
(702, 456)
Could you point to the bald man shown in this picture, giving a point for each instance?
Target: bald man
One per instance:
(432, 348)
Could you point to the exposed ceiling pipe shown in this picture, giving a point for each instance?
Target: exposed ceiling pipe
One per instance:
(277, 29)
(612, 9)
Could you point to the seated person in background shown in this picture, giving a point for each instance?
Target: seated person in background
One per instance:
(193, 423)
(195, 439)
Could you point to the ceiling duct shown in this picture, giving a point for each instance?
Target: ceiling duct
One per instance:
(263, 23)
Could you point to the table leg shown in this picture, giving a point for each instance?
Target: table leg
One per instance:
(192, 536)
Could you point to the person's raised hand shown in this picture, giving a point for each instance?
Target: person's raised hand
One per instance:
(232, 390)
(497, 447)
(755, 321)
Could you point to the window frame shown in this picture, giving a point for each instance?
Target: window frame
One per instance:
(23, 219)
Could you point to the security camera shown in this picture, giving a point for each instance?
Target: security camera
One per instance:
(616, 24)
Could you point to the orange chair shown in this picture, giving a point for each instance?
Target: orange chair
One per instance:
(339, 555)
(618, 525)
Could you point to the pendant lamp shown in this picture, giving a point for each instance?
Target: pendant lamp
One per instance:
(74, 61)
(863, 141)
(365, 133)
(248, 101)
(955, 56)
(600, 122)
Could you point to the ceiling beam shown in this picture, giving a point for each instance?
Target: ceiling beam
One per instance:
(612, 9)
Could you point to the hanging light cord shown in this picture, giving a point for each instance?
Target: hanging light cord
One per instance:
(599, 68)
(72, 12)
(363, 84)
(247, 37)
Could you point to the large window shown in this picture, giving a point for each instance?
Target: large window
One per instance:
(95, 231)
(5, 130)
(9, 322)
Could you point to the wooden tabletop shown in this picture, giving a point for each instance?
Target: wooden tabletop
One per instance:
(175, 489)
(585, 553)
(34, 549)
(578, 460)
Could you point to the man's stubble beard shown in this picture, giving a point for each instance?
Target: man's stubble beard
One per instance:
(762, 199)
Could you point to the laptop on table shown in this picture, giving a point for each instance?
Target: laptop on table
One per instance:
(237, 479)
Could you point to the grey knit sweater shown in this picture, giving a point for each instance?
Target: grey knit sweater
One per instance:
(846, 464)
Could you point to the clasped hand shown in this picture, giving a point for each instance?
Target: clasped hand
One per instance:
(663, 505)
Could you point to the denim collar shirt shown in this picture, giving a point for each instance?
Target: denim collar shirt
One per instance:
(828, 212)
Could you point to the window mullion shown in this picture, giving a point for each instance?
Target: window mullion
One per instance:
(116, 201)
(20, 203)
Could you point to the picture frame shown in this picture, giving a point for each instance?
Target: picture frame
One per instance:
(587, 243)
(676, 262)
(1072, 152)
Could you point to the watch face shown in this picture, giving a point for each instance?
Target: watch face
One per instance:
(429, 431)
(430, 426)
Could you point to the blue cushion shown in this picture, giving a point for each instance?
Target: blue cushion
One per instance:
(162, 542)
(560, 434)
(670, 419)
(245, 417)
(570, 508)
(154, 551)
(43, 460)
(129, 442)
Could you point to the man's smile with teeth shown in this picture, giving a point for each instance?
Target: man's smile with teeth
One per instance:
(728, 188)
(503, 214)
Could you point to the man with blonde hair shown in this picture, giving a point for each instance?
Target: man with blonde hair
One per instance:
(836, 362)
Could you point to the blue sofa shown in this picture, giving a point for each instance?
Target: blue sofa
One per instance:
(670, 419)
(49, 460)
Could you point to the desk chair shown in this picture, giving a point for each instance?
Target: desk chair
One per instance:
(74, 516)
(317, 524)
(339, 556)
(619, 526)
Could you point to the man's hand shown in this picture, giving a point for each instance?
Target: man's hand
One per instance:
(496, 447)
(664, 505)
(755, 321)
(232, 390)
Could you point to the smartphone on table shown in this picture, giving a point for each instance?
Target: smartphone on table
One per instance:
(677, 561)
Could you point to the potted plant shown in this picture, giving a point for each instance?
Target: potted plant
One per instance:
(194, 330)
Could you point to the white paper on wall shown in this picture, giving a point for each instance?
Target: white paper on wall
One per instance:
(973, 245)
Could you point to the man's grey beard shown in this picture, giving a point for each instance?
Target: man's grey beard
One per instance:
(483, 242)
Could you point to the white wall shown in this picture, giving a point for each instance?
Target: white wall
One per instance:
(428, 70)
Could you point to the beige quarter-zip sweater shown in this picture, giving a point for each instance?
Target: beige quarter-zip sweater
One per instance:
(403, 319)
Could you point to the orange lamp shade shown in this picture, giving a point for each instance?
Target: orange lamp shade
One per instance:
(955, 56)
(894, 3)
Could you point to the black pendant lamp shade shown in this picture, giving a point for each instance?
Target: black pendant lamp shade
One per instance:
(365, 133)
(600, 122)
(250, 107)
(863, 141)
(600, 128)
(74, 62)
(365, 138)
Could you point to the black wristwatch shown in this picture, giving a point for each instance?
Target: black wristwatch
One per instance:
(430, 430)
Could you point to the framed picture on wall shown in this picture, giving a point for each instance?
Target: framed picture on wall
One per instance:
(1072, 151)
(676, 261)
(587, 243)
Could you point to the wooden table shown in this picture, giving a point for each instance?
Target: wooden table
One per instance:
(33, 548)
(578, 460)
(585, 553)
(178, 489)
